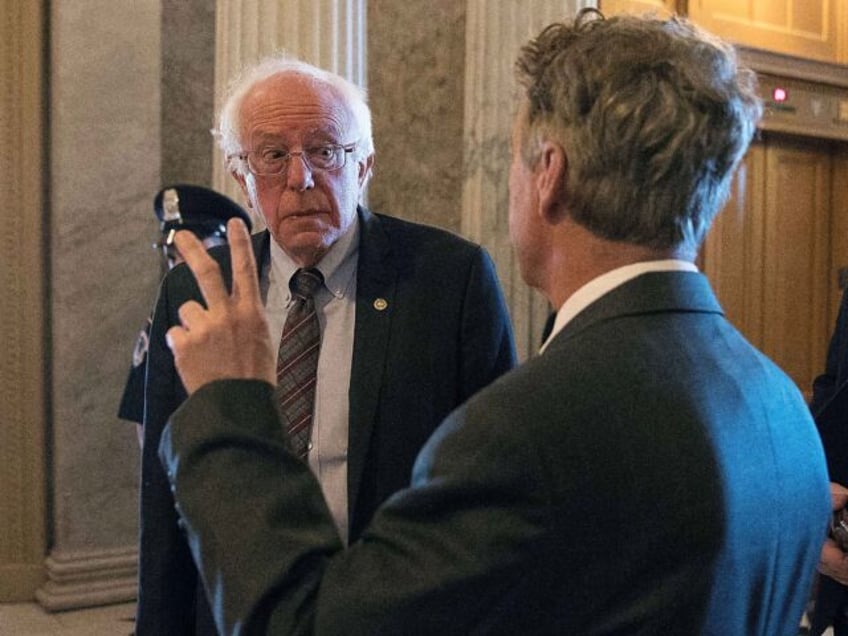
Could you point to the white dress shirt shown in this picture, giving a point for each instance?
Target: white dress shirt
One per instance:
(335, 304)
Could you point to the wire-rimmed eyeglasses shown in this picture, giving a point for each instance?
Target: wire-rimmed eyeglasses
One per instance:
(270, 161)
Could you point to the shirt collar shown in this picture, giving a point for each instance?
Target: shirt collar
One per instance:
(336, 266)
(605, 283)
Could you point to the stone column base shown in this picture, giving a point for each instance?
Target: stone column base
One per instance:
(87, 579)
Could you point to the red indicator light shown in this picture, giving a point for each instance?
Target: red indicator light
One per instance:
(779, 94)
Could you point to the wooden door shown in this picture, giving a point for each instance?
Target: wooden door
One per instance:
(769, 253)
(660, 7)
(812, 29)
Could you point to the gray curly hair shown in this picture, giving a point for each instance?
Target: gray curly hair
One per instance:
(654, 116)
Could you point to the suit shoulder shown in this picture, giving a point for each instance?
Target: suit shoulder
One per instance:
(411, 232)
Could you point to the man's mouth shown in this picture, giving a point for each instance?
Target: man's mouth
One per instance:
(304, 214)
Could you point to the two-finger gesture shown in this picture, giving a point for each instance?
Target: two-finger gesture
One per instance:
(228, 339)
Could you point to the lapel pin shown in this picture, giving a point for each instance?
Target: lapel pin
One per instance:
(380, 304)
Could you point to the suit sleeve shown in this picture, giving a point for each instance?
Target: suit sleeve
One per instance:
(167, 576)
(439, 557)
(829, 391)
(831, 596)
(488, 347)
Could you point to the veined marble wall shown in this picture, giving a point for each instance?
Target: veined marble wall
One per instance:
(104, 168)
(188, 91)
(416, 74)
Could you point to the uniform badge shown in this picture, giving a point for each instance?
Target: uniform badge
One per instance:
(140, 349)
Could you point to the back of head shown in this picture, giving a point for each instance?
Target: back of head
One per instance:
(654, 116)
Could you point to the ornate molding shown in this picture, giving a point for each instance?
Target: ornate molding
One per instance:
(783, 65)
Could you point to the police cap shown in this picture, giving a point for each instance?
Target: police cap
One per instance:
(201, 210)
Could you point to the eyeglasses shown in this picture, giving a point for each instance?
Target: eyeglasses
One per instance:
(274, 161)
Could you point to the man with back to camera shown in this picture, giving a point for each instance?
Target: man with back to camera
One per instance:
(649, 473)
(410, 320)
(180, 206)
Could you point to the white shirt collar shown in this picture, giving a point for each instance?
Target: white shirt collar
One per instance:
(330, 266)
(603, 284)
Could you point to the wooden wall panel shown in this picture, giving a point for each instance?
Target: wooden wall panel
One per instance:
(809, 29)
(732, 257)
(660, 7)
(774, 251)
(795, 323)
(769, 254)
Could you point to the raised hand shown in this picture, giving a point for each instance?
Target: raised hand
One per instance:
(228, 339)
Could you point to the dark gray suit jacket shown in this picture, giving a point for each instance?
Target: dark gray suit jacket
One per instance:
(444, 335)
(829, 406)
(650, 473)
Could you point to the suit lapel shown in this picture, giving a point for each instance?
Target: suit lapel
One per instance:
(261, 247)
(376, 286)
(262, 254)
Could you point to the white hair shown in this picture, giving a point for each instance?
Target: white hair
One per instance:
(228, 133)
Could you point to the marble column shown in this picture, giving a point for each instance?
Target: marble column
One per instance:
(415, 85)
(103, 168)
(23, 381)
(188, 90)
(495, 31)
(327, 33)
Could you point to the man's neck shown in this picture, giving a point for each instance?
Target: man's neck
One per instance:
(580, 256)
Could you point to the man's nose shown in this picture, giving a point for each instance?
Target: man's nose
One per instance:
(299, 172)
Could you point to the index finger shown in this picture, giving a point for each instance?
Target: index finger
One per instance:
(838, 495)
(205, 270)
(245, 283)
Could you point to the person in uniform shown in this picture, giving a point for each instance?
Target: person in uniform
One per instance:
(177, 207)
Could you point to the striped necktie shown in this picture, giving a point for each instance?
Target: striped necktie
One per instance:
(297, 360)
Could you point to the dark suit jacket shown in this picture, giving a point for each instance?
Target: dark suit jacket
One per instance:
(444, 335)
(650, 473)
(829, 406)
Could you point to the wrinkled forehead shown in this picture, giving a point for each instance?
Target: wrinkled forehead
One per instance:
(296, 103)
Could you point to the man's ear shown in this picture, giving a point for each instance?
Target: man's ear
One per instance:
(239, 177)
(551, 172)
(365, 168)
